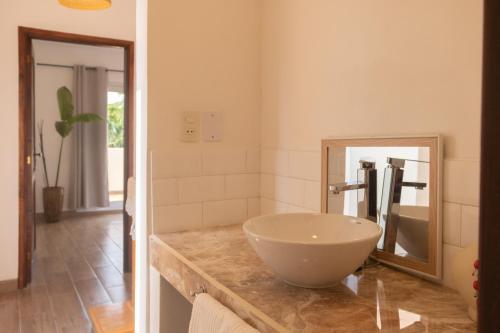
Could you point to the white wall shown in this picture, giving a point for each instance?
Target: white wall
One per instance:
(47, 81)
(371, 68)
(204, 56)
(116, 22)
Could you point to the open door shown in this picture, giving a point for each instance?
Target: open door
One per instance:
(28, 144)
(27, 164)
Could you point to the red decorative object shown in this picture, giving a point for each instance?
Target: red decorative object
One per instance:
(475, 284)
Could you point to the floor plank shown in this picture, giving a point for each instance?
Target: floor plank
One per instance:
(92, 292)
(38, 324)
(68, 310)
(59, 283)
(9, 317)
(34, 302)
(110, 276)
(80, 269)
(119, 294)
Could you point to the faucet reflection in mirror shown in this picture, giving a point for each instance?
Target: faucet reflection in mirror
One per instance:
(393, 182)
(406, 226)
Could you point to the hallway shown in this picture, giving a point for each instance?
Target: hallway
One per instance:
(78, 263)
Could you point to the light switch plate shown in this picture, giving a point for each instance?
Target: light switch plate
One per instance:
(190, 126)
(211, 126)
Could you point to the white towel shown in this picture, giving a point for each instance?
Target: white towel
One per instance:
(209, 316)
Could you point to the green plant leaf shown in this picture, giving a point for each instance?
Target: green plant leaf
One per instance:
(65, 102)
(115, 123)
(85, 118)
(64, 128)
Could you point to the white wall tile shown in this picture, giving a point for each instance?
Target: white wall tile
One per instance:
(197, 189)
(449, 253)
(274, 162)
(253, 207)
(280, 188)
(312, 196)
(224, 212)
(190, 189)
(461, 181)
(165, 192)
(451, 223)
(212, 187)
(154, 219)
(297, 209)
(178, 218)
(267, 186)
(242, 186)
(173, 164)
(236, 186)
(253, 161)
(253, 185)
(224, 161)
(470, 226)
(294, 191)
(269, 206)
(305, 165)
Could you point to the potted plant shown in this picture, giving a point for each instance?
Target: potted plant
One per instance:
(53, 196)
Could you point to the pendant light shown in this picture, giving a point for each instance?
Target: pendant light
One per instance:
(86, 4)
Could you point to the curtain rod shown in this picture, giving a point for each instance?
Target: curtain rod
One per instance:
(67, 66)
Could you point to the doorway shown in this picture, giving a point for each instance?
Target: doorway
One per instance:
(119, 152)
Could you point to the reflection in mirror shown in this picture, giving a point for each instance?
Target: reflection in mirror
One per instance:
(390, 185)
(404, 208)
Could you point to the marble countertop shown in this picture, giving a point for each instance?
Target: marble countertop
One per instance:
(221, 262)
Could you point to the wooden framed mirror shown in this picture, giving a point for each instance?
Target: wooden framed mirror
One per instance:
(393, 181)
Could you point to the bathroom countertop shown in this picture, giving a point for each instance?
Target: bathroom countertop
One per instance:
(221, 262)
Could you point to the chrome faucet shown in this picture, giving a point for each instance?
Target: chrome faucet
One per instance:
(368, 182)
(391, 198)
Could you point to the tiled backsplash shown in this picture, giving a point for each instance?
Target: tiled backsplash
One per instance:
(460, 210)
(195, 188)
(290, 181)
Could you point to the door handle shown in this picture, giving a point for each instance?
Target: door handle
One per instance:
(28, 160)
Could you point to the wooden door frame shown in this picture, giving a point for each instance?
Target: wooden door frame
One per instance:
(489, 226)
(25, 37)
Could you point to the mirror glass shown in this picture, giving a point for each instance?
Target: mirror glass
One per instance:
(393, 185)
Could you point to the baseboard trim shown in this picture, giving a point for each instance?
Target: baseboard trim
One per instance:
(8, 286)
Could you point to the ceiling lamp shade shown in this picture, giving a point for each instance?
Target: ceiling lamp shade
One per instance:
(86, 4)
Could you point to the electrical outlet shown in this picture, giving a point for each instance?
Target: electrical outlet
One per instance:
(190, 127)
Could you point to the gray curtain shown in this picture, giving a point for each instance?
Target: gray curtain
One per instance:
(91, 144)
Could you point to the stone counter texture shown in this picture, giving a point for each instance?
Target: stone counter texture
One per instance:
(377, 299)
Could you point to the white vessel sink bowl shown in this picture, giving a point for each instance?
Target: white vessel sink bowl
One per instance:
(312, 250)
(413, 230)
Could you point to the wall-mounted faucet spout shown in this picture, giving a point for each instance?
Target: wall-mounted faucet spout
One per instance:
(342, 187)
(367, 181)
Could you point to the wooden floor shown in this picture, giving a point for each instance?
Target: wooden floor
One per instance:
(78, 263)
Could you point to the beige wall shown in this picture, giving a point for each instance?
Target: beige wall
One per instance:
(118, 22)
(371, 68)
(203, 56)
(383, 67)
